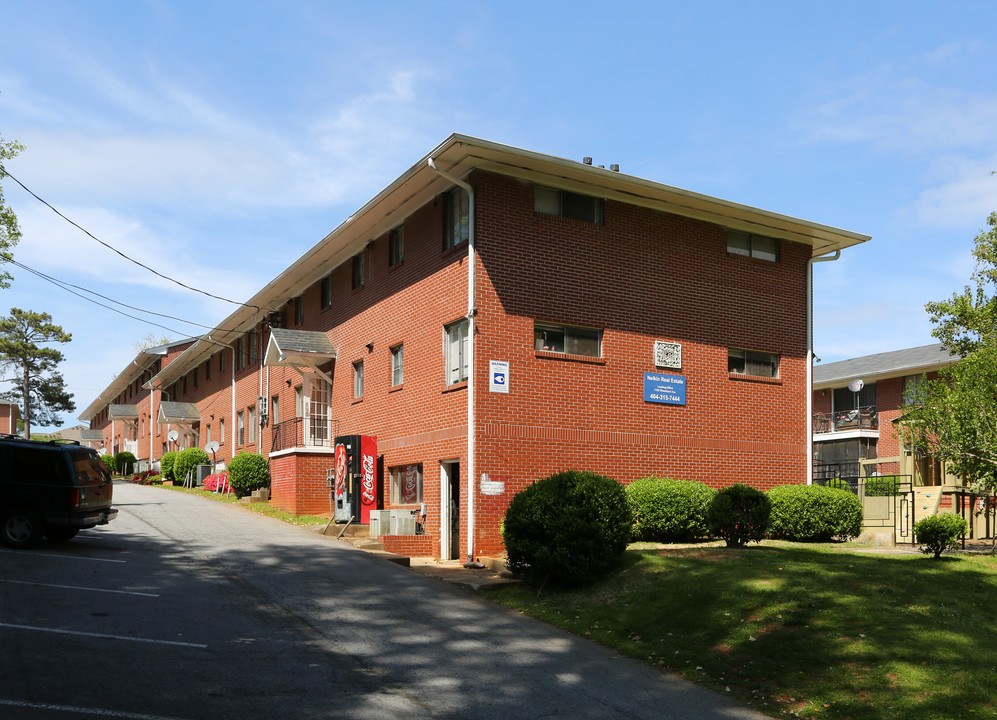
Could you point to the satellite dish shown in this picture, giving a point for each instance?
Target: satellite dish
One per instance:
(212, 447)
(856, 385)
(172, 435)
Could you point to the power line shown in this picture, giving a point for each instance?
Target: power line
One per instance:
(3, 172)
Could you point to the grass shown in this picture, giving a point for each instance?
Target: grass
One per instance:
(799, 630)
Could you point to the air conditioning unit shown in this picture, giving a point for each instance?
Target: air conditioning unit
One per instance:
(402, 522)
(202, 472)
(380, 523)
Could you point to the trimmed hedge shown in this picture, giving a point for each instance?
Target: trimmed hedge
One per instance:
(938, 533)
(571, 528)
(124, 462)
(109, 464)
(186, 461)
(166, 464)
(739, 514)
(668, 510)
(811, 513)
(247, 472)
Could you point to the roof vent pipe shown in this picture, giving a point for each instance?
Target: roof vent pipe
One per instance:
(614, 167)
(587, 160)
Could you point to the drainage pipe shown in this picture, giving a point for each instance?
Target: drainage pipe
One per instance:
(472, 311)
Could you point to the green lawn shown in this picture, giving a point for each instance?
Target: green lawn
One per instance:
(799, 630)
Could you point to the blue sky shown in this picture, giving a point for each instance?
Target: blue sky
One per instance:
(217, 141)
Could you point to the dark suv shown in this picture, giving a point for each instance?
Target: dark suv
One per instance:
(50, 488)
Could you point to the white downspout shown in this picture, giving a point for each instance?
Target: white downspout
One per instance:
(810, 359)
(472, 311)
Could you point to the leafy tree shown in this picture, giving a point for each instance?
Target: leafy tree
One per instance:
(32, 367)
(10, 231)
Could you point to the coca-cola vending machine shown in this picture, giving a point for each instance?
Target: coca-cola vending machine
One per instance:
(359, 485)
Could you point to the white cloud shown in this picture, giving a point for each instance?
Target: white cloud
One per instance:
(964, 198)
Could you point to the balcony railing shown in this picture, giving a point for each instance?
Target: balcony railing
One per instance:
(863, 418)
(300, 432)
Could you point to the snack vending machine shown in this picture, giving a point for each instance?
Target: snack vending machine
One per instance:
(358, 483)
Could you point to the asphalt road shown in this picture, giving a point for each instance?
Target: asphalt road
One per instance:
(183, 609)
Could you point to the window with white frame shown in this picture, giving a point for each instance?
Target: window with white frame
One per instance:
(274, 410)
(358, 379)
(752, 362)
(564, 203)
(318, 411)
(396, 246)
(251, 424)
(756, 246)
(406, 484)
(241, 425)
(221, 430)
(567, 339)
(397, 364)
(457, 228)
(299, 406)
(457, 351)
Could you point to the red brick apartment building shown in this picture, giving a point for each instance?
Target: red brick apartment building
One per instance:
(495, 315)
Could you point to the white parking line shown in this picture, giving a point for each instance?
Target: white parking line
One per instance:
(72, 557)
(104, 636)
(85, 711)
(78, 587)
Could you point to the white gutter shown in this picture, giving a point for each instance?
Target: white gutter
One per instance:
(810, 359)
(472, 311)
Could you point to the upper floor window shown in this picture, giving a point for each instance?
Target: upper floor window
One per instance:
(240, 353)
(251, 342)
(221, 361)
(358, 263)
(299, 310)
(396, 246)
(275, 409)
(325, 294)
(751, 362)
(251, 424)
(457, 351)
(207, 369)
(567, 339)
(241, 426)
(756, 246)
(195, 377)
(358, 379)
(567, 204)
(397, 364)
(458, 226)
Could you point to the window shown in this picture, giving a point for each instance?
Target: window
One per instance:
(251, 425)
(358, 379)
(396, 246)
(358, 263)
(298, 402)
(196, 376)
(251, 342)
(406, 484)
(567, 204)
(221, 361)
(325, 294)
(274, 410)
(750, 362)
(457, 352)
(397, 365)
(207, 369)
(567, 339)
(209, 433)
(457, 227)
(221, 430)
(843, 399)
(241, 426)
(240, 353)
(299, 310)
(756, 246)
(318, 411)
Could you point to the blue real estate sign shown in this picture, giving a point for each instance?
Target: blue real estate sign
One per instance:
(664, 389)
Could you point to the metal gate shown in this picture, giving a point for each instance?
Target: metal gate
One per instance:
(887, 501)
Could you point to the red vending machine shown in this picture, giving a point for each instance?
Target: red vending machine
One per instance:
(359, 485)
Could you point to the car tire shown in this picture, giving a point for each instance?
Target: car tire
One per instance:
(20, 527)
(60, 533)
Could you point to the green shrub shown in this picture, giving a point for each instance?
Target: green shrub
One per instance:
(248, 472)
(883, 485)
(938, 533)
(166, 464)
(667, 510)
(739, 514)
(571, 528)
(186, 461)
(124, 462)
(811, 513)
(109, 464)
